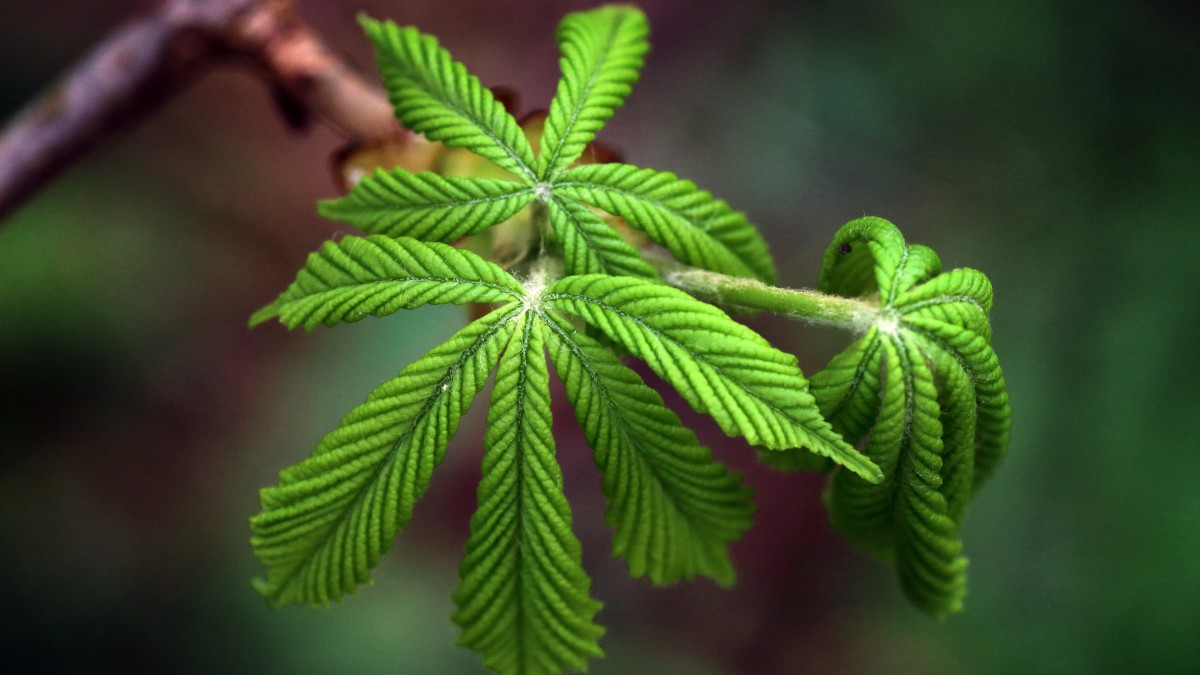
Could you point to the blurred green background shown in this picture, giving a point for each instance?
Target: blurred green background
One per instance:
(1054, 145)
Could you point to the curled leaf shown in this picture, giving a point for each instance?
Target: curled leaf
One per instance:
(924, 388)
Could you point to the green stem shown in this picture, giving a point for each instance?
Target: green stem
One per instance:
(849, 314)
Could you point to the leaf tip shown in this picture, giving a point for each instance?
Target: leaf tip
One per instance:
(265, 314)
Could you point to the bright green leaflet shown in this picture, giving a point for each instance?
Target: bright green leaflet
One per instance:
(678, 487)
(523, 601)
(602, 52)
(925, 388)
(323, 529)
(602, 56)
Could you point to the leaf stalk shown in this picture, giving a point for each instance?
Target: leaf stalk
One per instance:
(851, 314)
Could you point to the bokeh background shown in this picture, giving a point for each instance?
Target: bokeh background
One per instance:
(1054, 145)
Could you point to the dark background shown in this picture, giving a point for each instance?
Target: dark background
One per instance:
(1054, 145)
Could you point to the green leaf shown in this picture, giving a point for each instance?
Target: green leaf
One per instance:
(906, 520)
(926, 378)
(675, 509)
(993, 414)
(956, 399)
(602, 51)
(696, 228)
(436, 96)
(427, 206)
(719, 366)
(324, 527)
(376, 276)
(523, 599)
(847, 393)
(863, 259)
(590, 246)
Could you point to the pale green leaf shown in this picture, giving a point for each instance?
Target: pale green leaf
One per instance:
(324, 527)
(355, 277)
(523, 600)
(719, 366)
(590, 246)
(602, 51)
(674, 508)
(696, 228)
(435, 95)
(427, 206)
(928, 550)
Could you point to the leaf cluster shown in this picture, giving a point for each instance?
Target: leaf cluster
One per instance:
(924, 388)
(602, 54)
(920, 390)
(523, 601)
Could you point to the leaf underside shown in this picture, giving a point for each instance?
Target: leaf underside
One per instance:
(926, 391)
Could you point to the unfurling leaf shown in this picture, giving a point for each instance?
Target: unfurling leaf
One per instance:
(925, 388)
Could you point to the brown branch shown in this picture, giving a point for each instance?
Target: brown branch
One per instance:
(141, 65)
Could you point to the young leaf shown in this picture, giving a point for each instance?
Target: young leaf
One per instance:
(696, 228)
(323, 529)
(523, 600)
(427, 206)
(602, 52)
(719, 366)
(926, 377)
(674, 508)
(590, 246)
(436, 96)
(376, 276)
(906, 520)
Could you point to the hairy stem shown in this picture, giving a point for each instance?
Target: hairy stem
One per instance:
(850, 314)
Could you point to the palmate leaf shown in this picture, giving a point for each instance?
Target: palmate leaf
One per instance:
(523, 602)
(523, 599)
(332, 516)
(602, 53)
(436, 96)
(719, 366)
(927, 380)
(696, 228)
(427, 206)
(674, 508)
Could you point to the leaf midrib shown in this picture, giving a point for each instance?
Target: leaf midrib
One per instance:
(524, 189)
(402, 280)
